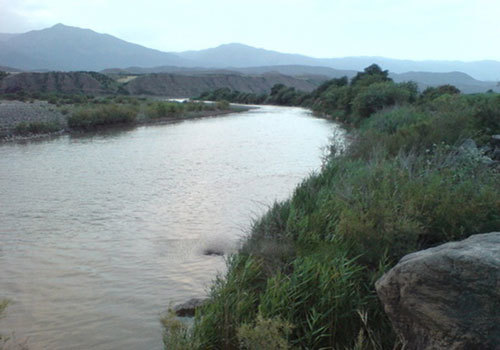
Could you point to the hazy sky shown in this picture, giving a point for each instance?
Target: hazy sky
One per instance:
(414, 29)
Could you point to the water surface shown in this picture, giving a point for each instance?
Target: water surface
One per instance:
(100, 233)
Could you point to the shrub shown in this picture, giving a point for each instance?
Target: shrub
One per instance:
(265, 334)
(222, 105)
(381, 95)
(93, 118)
(176, 335)
(165, 110)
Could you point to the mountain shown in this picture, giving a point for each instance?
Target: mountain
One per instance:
(464, 82)
(69, 48)
(7, 36)
(481, 70)
(238, 55)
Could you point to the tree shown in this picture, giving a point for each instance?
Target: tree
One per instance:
(371, 74)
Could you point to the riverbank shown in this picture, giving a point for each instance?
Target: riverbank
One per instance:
(37, 119)
(304, 277)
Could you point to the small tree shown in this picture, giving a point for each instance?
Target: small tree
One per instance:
(371, 74)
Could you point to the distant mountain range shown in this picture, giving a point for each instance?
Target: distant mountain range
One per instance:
(65, 48)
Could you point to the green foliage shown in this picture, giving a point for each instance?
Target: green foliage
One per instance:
(236, 298)
(381, 95)
(265, 334)
(3, 305)
(226, 94)
(160, 110)
(371, 75)
(431, 93)
(336, 83)
(176, 334)
(312, 261)
(221, 105)
(33, 128)
(91, 118)
(165, 110)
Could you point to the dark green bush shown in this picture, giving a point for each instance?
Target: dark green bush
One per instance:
(382, 95)
(91, 118)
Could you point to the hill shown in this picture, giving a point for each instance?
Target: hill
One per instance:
(164, 84)
(69, 48)
(60, 82)
(183, 85)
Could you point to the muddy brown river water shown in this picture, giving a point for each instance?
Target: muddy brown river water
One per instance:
(100, 233)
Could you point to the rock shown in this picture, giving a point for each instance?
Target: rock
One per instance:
(496, 154)
(495, 140)
(213, 251)
(447, 297)
(469, 145)
(188, 308)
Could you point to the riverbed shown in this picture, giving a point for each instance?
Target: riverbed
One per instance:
(101, 232)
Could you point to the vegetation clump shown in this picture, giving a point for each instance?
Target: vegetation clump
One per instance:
(34, 128)
(310, 263)
(108, 115)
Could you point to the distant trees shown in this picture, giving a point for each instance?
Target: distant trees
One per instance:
(431, 93)
(371, 74)
(349, 101)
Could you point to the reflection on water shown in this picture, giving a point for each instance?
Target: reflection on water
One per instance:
(100, 233)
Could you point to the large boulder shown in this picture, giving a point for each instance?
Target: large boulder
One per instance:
(447, 297)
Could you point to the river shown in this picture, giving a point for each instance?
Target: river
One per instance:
(100, 233)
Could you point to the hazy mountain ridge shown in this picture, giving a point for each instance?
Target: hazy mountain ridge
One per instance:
(238, 56)
(67, 48)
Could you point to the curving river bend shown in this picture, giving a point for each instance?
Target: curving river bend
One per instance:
(100, 233)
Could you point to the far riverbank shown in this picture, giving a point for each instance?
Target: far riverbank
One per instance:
(20, 120)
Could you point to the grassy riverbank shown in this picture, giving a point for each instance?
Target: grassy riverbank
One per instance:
(56, 114)
(419, 172)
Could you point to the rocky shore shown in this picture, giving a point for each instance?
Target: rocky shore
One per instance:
(14, 112)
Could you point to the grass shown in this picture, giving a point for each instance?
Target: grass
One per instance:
(311, 262)
(3, 305)
(162, 110)
(34, 128)
(98, 117)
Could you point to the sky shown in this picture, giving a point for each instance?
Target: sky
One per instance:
(463, 30)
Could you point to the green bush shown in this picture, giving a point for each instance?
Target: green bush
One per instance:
(93, 118)
(176, 334)
(381, 95)
(222, 105)
(265, 334)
